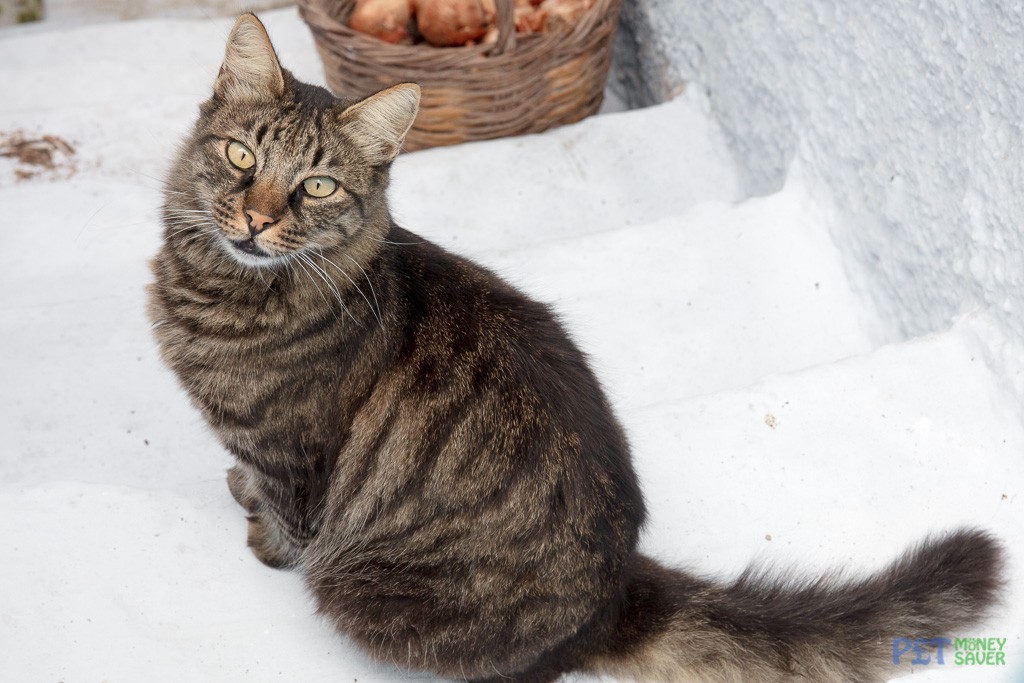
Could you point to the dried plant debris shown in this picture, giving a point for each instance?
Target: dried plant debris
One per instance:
(35, 156)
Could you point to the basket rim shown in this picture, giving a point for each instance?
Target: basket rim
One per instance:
(332, 28)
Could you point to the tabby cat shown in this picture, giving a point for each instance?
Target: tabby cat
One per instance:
(427, 446)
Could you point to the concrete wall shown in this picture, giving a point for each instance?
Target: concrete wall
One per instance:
(911, 114)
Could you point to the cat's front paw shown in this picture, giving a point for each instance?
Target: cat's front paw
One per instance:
(242, 489)
(265, 544)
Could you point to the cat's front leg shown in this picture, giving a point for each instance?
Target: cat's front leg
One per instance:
(269, 542)
(268, 538)
(243, 488)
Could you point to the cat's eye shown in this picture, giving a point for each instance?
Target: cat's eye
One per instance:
(240, 155)
(319, 186)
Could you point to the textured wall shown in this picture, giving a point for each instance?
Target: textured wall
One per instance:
(910, 112)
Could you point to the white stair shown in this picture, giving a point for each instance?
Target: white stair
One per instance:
(766, 422)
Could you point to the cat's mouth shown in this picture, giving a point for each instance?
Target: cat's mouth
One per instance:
(249, 253)
(250, 247)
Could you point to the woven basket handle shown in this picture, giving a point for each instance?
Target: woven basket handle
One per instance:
(506, 27)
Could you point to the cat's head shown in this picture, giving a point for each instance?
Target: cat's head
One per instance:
(275, 166)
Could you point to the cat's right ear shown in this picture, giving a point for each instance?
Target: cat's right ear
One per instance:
(250, 71)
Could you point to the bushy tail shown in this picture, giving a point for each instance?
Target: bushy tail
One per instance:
(762, 628)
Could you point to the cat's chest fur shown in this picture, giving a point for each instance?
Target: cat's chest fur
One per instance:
(268, 376)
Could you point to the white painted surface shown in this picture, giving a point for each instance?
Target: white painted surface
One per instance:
(124, 553)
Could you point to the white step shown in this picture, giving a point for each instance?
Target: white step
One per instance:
(713, 298)
(607, 172)
(127, 553)
(842, 466)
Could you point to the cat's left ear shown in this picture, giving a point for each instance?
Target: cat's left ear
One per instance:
(379, 124)
(250, 71)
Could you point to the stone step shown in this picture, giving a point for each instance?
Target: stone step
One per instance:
(620, 169)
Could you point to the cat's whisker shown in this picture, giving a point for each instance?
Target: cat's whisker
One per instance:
(182, 214)
(313, 282)
(87, 224)
(178, 216)
(375, 310)
(198, 230)
(146, 175)
(292, 277)
(324, 276)
(178, 228)
(383, 241)
(188, 216)
(331, 287)
(189, 239)
(186, 212)
(185, 221)
(372, 290)
(185, 230)
(195, 238)
(262, 277)
(182, 220)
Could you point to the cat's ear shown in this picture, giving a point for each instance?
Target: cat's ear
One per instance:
(379, 124)
(250, 71)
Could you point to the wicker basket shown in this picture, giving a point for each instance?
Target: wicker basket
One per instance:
(519, 84)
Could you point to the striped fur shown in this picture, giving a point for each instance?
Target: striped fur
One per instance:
(432, 451)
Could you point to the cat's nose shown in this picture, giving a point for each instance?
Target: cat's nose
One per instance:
(258, 222)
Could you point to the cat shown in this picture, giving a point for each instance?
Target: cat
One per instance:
(427, 445)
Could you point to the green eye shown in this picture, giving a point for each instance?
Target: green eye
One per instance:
(240, 156)
(319, 186)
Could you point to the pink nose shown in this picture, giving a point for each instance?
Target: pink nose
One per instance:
(258, 222)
